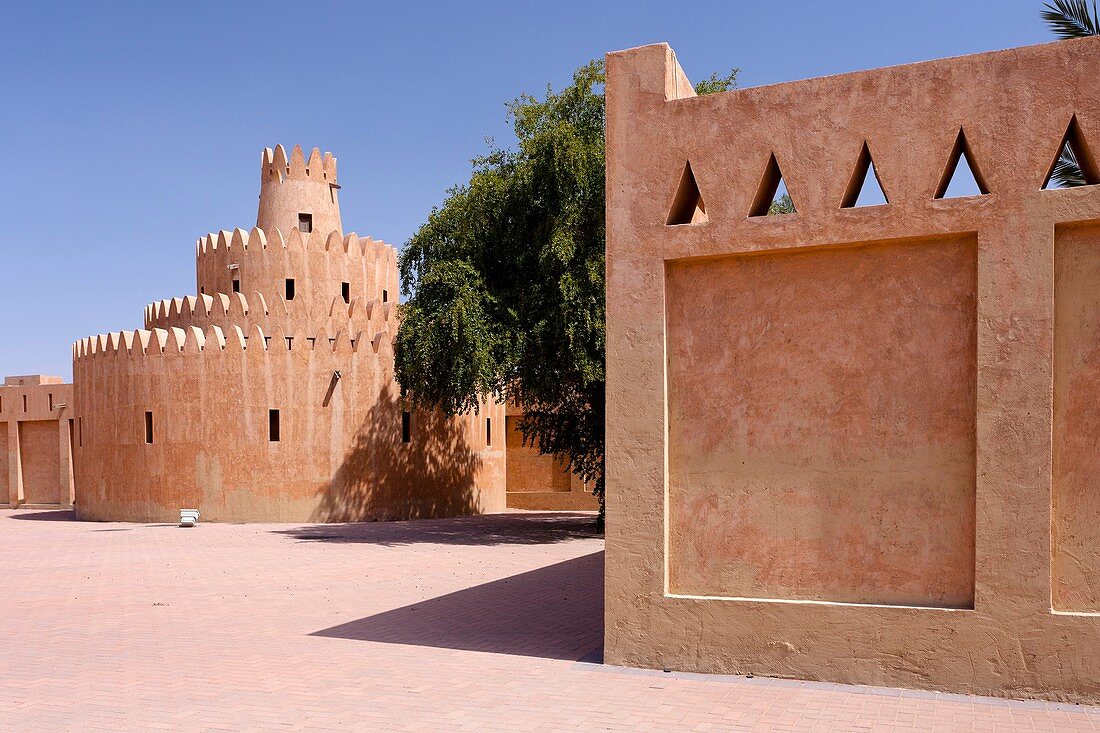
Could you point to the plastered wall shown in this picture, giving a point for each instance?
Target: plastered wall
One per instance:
(855, 444)
(35, 454)
(540, 482)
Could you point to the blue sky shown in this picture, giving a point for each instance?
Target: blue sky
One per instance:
(129, 129)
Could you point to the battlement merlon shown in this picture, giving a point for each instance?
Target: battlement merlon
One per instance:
(296, 193)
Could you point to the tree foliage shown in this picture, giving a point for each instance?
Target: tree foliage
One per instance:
(506, 279)
(1070, 19)
(782, 205)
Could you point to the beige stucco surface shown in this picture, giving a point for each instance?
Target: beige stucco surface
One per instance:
(35, 450)
(824, 448)
(537, 481)
(210, 367)
(1075, 530)
(835, 438)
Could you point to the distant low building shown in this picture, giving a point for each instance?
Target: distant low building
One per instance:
(36, 467)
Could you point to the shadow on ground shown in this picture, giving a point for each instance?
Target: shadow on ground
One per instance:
(48, 515)
(536, 528)
(555, 612)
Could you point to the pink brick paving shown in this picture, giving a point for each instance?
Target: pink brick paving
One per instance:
(466, 624)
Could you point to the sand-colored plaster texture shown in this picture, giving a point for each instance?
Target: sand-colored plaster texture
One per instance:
(855, 444)
(269, 395)
(537, 481)
(35, 451)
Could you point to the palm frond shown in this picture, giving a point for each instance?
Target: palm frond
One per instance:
(1067, 172)
(1071, 18)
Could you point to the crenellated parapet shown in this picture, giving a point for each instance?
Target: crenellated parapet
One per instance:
(296, 316)
(276, 166)
(312, 267)
(295, 192)
(194, 340)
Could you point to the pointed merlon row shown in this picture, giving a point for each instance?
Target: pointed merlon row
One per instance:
(240, 240)
(689, 206)
(237, 305)
(275, 165)
(194, 340)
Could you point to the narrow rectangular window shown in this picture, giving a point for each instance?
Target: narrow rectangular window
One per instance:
(24, 403)
(148, 427)
(202, 290)
(290, 288)
(236, 285)
(50, 395)
(488, 431)
(385, 296)
(305, 223)
(345, 290)
(273, 426)
(1, 404)
(80, 431)
(406, 427)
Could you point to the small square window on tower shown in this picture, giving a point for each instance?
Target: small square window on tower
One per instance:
(345, 291)
(290, 288)
(305, 223)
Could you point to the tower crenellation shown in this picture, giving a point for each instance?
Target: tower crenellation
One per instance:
(298, 194)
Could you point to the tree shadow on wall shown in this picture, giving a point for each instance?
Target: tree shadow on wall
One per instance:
(384, 478)
(554, 612)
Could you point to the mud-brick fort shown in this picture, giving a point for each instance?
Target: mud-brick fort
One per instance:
(269, 394)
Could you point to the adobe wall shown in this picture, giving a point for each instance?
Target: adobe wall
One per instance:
(855, 444)
(319, 263)
(35, 452)
(540, 482)
(339, 457)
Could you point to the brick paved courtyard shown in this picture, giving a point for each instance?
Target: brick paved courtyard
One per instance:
(485, 623)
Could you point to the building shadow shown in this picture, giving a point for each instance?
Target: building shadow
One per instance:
(554, 612)
(47, 515)
(528, 528)
(385, 477)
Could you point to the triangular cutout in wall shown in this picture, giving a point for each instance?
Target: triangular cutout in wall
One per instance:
(772, 196)
(1073, 165)
(687, 205)
(864, 190)
(961, 177)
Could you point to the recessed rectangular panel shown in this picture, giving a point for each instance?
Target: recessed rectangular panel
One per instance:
(40, 452)
(4, 469)
(1075, 529)
(821, 408)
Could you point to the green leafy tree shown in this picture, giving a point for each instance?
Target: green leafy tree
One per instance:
(782, 205)
(1070, 19)
(506, 280)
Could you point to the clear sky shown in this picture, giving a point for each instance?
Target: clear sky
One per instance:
(130, 129)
